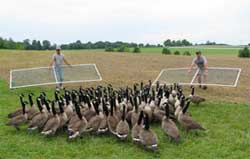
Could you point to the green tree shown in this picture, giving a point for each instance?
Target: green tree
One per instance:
(177, 52)
(244, 52)
(38, 45)
(136, 50)
(46, 45)
(26, 44)
(166, 51)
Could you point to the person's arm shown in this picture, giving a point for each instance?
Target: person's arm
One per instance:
(52, 61)
(191, 66)
(65, 61)
(205, 64)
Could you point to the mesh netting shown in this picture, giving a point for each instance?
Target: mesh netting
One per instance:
(31, 77)
(80, 73)
(216, 76)
(221, 76)
(46, 75)
(181, 76)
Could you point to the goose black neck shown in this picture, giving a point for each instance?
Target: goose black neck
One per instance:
(123, 112)
(146, 121)
(159, 102)
(56, 96)
(53, 107)
(23, 107)
(192, 92)
(78, 111)
(38, 101)
(47, 105)
(167, 110)
(140, 118)
(31, 100)
(112, 106)
(60, 103)
(186, 107)
(21, 100)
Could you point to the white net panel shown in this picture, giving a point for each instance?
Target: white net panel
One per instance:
(217, 76)
(31, 77)
(50, 75)
(180, 75)
(221, 76)
(80, 73)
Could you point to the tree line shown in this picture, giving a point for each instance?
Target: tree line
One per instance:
(28, 44)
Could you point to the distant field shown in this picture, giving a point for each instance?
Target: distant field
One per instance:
(206, 50)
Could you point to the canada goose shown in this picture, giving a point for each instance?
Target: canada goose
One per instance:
(18, 120)
(68, 109)
(19, 111)
(147, 137)
(186, 121)
(52, 124)
(133, 115)
(194, 98)
(103, 127)
(122, 128)
(90, 112)
(158, 114)
(77, 127)
(63, 116)
(137, 128)
(32, 111)
(112, 118)
(38, 121)
(147, 109)
(169, 126)
(94, 122)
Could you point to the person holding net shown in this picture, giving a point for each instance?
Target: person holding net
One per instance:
(57, 61)
(201, 63)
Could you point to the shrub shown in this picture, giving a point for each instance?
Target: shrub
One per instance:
(136, 50)
(109, 49)
(166, 51)
(123, 49)
(177, 53)
(244, 53)
(187, 53)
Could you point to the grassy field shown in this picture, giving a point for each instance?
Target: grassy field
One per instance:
(227, 136)
(206, 50)
(225, 115)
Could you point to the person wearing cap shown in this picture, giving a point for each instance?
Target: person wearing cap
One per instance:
(201, 63)
(57, 61)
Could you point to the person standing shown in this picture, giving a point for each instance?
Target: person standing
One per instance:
(201, 63)
(57, 61)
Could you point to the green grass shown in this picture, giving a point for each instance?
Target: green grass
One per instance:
(206, 50)
(227, 136)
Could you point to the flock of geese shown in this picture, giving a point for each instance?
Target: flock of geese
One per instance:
(107, 110)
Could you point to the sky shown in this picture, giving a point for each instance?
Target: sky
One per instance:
(146, 21)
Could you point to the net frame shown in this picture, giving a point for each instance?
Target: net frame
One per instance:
(55, 76)
(192, 82)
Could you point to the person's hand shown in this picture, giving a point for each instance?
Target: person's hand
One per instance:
(189, 71)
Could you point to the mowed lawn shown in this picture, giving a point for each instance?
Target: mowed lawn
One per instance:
(225, 115)
(227, 136)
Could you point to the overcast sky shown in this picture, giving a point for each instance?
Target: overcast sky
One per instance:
(147, 21)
